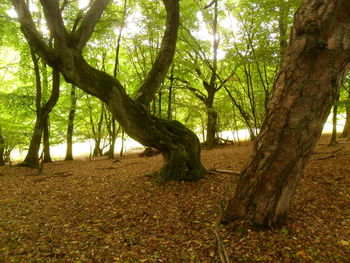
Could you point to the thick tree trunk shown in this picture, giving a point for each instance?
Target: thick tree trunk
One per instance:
(309, 81)
(70, 128)
(2, 148)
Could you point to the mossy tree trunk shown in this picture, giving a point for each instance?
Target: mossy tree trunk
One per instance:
(178, 145)
(316, 62)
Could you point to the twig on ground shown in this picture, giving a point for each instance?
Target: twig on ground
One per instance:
(225, 171)
(224, 257)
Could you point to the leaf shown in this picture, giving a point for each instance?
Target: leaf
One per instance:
(343, 243)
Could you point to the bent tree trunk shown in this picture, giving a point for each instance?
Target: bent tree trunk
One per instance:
(309, 81)
(178, 145)
(41, 121)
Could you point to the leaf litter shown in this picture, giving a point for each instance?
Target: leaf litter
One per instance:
(108, 211)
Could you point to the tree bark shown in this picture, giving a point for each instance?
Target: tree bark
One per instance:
(70, 128)
(2, 148)
(316, 61)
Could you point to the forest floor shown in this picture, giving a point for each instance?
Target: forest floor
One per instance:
(111, 211)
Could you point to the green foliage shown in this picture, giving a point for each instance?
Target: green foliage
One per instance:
(248, 59)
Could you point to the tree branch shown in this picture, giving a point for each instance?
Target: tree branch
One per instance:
(31, 33)
(165, 56)
(54, 20)
(89, 22)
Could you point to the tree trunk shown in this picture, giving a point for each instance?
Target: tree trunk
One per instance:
(70, 128)
(346, 130)
(212, 117)
(32, 157)
(98, 133)
(2, 148)
(42, 113)
(46, 140)
(122, 146)
(334, 130)
(113, 133)
(316, 61)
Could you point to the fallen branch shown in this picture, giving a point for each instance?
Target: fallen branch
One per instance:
(335, 151)
(224, 257)
(225, 171)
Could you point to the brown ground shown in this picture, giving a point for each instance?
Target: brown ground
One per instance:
(105, 211)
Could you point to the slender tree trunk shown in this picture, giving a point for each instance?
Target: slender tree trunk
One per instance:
(70, 128)
(42, 113)
(170, 94)
(334, 130)
(346, 130)
(113, 136)
(32, 157)
(98, 134)
(122, 146)
(316, 62)
(2, 148)
(46, 140)
(159, 104)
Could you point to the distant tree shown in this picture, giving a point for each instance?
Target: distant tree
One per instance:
(70, 126)
(315, 64)
(2, 148)
(346, 131)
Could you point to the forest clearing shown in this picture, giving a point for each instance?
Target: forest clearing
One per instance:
(174, 76)
(114, 211)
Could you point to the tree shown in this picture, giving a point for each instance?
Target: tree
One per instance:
(179, 146)
(316, 62)
(42, 114)
(2, 148)
(70, 126)
(346, 131)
